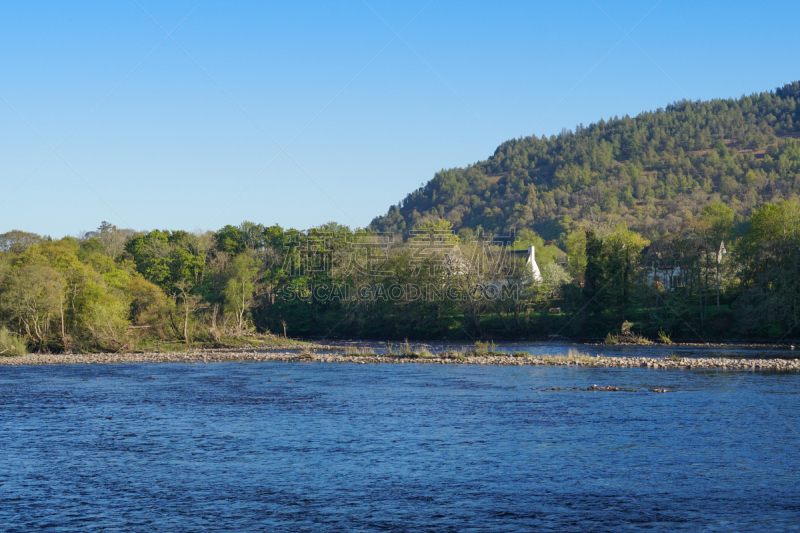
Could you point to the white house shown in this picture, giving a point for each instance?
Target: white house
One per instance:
(661, 268)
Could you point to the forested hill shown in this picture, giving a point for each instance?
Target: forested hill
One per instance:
(654, 171)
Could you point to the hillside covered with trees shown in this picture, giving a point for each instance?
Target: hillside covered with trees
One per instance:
(655, 172)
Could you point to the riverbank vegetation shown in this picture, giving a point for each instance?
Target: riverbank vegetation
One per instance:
(115, 290)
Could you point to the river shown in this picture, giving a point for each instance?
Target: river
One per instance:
(277, 446)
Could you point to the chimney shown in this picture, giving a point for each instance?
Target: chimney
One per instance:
(537, 275)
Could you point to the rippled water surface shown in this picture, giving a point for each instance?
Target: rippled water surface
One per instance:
(346, 447)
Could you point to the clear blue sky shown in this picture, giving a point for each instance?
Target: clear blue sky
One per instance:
(350, 116)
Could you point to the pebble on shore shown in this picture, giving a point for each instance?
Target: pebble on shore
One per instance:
(211, 356)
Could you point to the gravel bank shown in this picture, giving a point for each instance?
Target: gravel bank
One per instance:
(222, 356)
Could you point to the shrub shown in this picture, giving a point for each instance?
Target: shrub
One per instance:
(663, 337)
(11, 344)
(574, 354)
(481, 348)
(627, 336)
(484, 348)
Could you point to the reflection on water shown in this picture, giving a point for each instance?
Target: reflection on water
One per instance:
(347, 447)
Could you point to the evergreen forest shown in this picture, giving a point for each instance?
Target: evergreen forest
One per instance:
(655, 172)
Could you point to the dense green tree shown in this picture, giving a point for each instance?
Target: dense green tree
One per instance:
(717, 227)
(150, 252)
(18, 241)
(240, 288)
(770, 257)
(34, 299)
(612, 270)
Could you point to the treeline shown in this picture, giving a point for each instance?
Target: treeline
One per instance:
(654, 172)
(114, 289)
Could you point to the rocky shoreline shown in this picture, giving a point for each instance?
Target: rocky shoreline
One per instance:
(214, 356)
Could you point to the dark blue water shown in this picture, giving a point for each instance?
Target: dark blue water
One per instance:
(344, 447)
